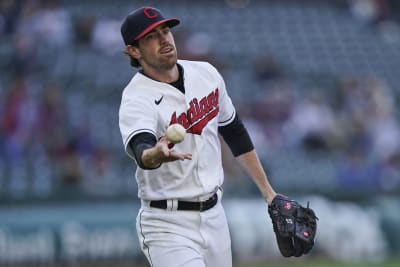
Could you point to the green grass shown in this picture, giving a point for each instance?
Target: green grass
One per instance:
(292, 262)
(319, 263)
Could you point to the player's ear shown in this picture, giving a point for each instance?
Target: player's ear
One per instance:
(133, 51)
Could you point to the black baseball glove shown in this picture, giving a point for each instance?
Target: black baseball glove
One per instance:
(295, 226)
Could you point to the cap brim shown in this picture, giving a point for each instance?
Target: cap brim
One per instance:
(170, 22)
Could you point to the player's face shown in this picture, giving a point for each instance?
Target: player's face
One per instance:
(157, 49)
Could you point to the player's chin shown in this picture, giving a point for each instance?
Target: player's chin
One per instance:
(169, 61)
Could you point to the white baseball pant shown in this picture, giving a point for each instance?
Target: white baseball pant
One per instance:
(172, 238)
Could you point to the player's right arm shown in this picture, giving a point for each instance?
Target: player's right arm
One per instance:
(150, 154)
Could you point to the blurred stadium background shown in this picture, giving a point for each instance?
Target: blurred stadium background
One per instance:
(316, 82)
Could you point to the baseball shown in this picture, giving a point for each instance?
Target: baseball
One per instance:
(175, 133)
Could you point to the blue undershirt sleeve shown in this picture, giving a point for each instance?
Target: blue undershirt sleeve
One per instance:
(236, 136)
(139, 143)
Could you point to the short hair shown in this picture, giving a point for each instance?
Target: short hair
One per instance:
(133, 61)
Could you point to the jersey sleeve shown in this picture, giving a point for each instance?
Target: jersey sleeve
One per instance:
(226, 109)
(136, 115)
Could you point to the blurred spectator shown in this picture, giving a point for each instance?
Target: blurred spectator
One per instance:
(106, 36)
(24, 56)
(370, 106)
(19, 119)
(312, 123)
(100, 179)
(357, 172)
(25, 45)
(68, 168)
(83, 29)
(53, 24)
(351, 108)
(370, 11)
(389, 180)
(53, 115)
(9, 14)
(367, 113)
(378, 13)
(267, 68)
(198, 46)
(272, 109)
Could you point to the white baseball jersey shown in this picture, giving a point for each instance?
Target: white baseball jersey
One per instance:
(151, 106)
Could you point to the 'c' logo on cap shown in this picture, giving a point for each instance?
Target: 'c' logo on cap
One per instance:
(150, 13)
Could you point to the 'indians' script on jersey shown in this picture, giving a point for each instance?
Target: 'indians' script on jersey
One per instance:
(199, 113)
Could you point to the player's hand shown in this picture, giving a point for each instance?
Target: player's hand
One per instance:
(167, 154)
(160, 153)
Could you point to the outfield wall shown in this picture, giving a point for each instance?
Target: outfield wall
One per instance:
(37, 235)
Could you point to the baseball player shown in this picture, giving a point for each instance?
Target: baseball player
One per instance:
(181, 221)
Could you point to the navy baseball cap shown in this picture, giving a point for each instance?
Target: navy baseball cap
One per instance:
(142, 21)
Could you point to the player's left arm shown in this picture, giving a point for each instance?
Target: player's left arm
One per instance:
(238, 139)
(251, 164)
(295, 226)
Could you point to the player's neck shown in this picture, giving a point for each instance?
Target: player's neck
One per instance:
(166, 76)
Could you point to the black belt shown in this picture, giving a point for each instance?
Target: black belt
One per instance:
(188, 205)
